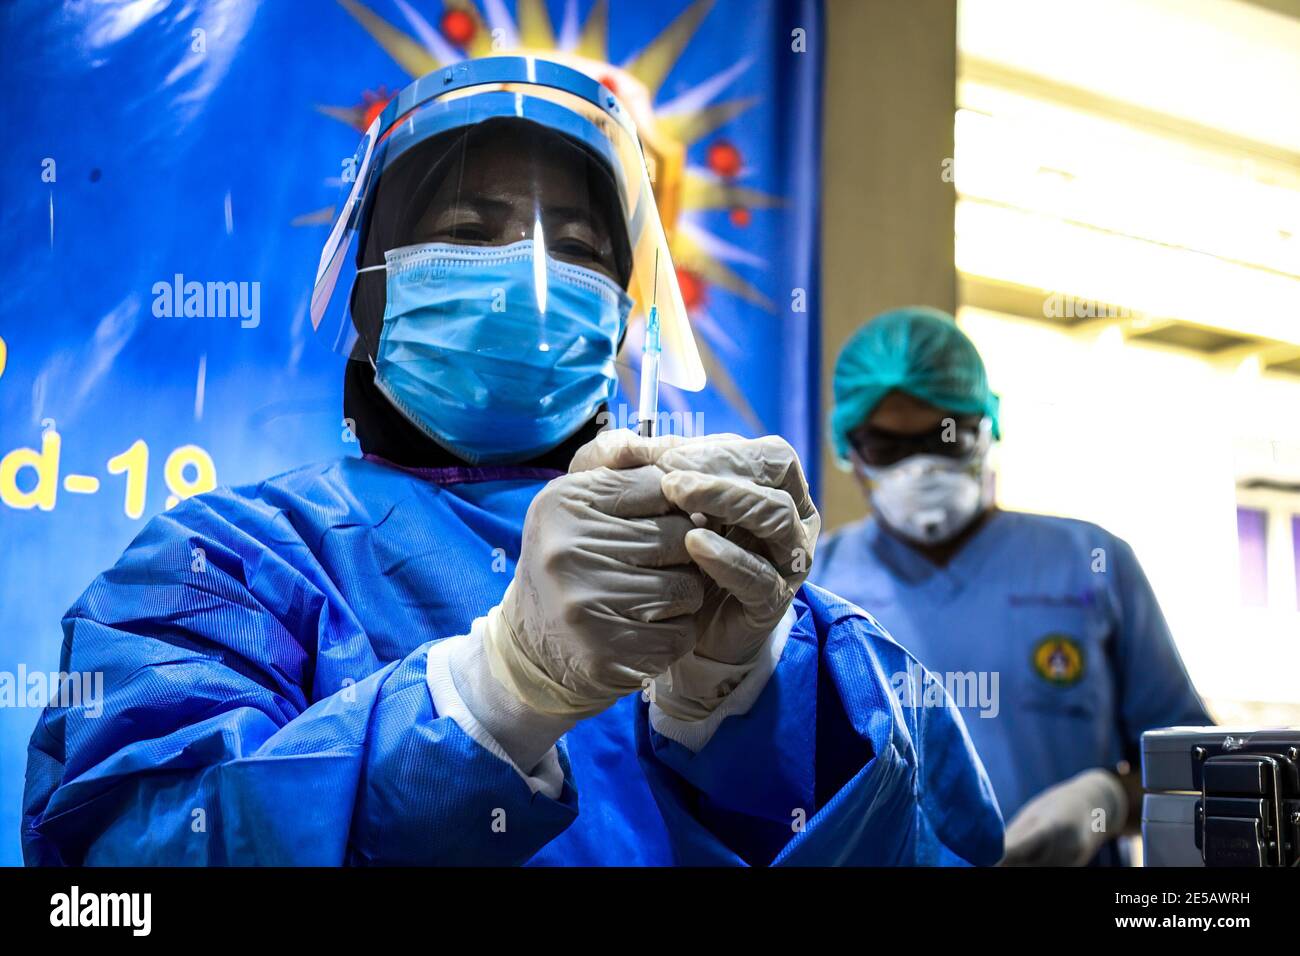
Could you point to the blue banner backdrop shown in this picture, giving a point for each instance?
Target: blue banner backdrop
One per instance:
(148, 145)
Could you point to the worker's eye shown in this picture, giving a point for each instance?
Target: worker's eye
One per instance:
(470, 232)
(575, 249)
(461, 223)
(584, 246)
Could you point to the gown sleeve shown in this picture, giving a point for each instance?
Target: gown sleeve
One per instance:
(831, 765)
(229, 731)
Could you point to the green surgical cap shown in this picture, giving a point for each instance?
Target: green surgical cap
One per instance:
(916, 350)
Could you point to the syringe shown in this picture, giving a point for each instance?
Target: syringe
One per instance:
(649, 410)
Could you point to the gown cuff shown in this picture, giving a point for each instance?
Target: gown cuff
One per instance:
(694, 734)
(464, 690)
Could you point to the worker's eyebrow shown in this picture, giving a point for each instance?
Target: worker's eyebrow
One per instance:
(572, 212)
(481, 203)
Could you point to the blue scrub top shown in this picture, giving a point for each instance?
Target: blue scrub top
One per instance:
(1046, 626)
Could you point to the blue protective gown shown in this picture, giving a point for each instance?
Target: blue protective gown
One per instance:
(264, 654)
(1057, 612)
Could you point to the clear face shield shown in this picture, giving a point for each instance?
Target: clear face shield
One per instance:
(499, 237)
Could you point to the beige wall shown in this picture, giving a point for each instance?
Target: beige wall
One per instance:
(887, 214)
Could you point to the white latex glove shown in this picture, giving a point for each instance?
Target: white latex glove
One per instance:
(1061, 825)
(756, 547)
(604, 596)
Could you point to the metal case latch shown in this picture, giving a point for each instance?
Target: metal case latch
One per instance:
(1242, 818)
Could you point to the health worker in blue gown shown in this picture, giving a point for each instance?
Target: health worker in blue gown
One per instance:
(1044, 629)
(499, 636)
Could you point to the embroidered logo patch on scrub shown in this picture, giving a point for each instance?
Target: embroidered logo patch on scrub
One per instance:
(1058, 658)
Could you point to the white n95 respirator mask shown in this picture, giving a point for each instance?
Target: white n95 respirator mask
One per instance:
(930, 498)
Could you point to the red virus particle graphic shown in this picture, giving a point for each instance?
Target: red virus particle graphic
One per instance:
(458, 27)
(372, 104)
(692, 288)
(740, 217)
(724, 159)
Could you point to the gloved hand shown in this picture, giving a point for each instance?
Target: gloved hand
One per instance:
(759, 530)
(604, 596)
(1059, 827)
(756, 548)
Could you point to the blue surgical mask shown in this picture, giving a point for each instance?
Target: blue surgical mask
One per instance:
(497, 353)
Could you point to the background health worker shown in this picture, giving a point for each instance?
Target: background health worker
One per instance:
(1058, 610)
(497, 637)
